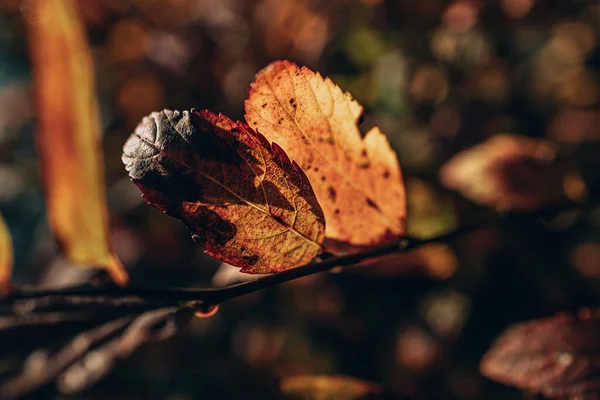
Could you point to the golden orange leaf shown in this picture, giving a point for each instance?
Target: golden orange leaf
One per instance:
(242, 198)
(323, 387)
(68, 134)
(357, 179)
(6, 257)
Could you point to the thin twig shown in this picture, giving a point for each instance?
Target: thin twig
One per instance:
(138, 314)
(138, 293)
(145, 297)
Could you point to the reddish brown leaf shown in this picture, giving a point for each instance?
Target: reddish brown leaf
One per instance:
(6, 257)
(323, 387)
(511, 172)
(357, 180)
(243, 199)
(68, 134)
(557, 356)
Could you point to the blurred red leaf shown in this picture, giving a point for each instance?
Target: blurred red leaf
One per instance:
(510, 172)
(243, 199)
(557, 356)
(356, 179)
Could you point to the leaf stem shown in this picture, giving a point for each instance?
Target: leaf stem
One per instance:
(146, 297)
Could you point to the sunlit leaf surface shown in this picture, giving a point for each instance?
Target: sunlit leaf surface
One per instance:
(356, 179)
(243, 199)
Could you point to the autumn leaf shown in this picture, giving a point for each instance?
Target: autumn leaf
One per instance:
(555, 356)
(357, 179)
(6, 257)
(68, 134)
(323, 387)
(512, 172)
(243, 199)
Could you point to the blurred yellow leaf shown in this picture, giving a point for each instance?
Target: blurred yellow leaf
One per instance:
(68, 134)
(6, 257)
(321, 387)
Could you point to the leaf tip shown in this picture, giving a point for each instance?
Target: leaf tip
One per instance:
(117, 271)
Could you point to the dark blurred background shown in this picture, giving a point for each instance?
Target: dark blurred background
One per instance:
(438, 76)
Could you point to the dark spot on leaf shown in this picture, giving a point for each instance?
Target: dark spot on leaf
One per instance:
(264, 105)
(250, 260)
(386, 174)
(293, 102)
(209, 226)
(372, 204)
(331, 192)
(323, 178)
(316, 169)
(337, 211)
(363, 153)
(242, 249)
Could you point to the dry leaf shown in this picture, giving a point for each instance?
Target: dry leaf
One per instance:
(68, 134)
(357, 180)
(243, 199)
(557, 356)
(508, 172)
(322, 387)
(6, 257)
